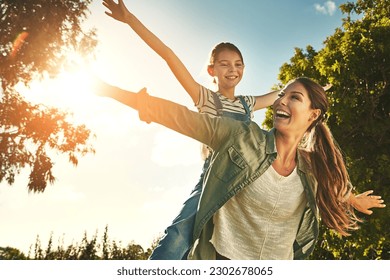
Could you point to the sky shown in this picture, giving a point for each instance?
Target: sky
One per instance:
(141, 173)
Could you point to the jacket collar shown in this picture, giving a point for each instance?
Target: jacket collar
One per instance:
(270, 142)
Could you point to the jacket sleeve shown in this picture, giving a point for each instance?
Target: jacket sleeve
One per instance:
(205, 129)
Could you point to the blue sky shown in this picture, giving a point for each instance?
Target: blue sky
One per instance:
(141, 174)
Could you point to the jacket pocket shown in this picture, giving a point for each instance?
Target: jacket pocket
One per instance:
(229, 165)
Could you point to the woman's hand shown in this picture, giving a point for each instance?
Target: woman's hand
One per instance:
(365, 201)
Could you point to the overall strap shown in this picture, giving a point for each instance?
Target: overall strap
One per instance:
(218, 104)
(246, 107)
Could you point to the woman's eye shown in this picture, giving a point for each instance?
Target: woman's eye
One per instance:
(295, 97)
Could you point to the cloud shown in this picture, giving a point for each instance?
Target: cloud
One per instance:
(328, 8)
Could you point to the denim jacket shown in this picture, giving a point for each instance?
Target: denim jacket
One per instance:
(243, 152)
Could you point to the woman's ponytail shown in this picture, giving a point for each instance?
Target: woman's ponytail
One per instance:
(328, 166)
(333, 181)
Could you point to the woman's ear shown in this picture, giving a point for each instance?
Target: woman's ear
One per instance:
(315, 114)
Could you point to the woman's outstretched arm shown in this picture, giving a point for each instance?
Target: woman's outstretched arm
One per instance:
(125, 97)
(207, 130)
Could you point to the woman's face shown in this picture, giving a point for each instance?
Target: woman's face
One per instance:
(292, 110)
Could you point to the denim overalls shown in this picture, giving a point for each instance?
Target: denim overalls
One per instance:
(177, 239)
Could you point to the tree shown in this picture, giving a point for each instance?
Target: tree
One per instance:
(36, 39)
(355, 59)
(87, 249)
(9, 253)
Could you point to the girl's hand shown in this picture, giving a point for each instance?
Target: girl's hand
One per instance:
(117, 11)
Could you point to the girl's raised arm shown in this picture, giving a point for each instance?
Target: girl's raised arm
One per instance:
(121, 13)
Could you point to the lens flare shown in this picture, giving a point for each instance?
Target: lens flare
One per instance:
(18, 43)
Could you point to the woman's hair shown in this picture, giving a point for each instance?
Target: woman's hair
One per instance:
(221, 47)
(328, 165)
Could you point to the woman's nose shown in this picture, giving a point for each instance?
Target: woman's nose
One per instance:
(283, 100)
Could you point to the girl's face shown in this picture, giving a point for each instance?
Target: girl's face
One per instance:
(292, 110)
(228, 69)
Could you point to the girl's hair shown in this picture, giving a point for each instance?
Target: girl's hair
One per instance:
(221, 47)
(328, 166)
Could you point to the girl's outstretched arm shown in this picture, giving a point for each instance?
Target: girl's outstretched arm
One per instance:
(121, 13)
(266, 100)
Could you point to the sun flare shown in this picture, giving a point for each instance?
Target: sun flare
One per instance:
(71, 90)
(73, 87)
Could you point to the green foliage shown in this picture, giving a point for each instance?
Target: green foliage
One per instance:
(360, 246)
(87, 249)
(36, 39)
(355, 59)
(9, 253)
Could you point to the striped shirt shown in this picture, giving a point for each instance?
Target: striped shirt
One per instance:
(206, 104)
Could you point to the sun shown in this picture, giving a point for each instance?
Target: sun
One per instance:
(74, 92)
(70, 90)
(73, 87)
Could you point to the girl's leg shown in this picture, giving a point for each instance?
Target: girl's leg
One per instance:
(177, 240)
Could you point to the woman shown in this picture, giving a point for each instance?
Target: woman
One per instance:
(265, 190)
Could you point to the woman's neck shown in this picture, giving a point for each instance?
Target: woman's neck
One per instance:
(286, 147)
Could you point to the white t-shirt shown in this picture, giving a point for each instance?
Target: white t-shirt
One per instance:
(261, 221)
